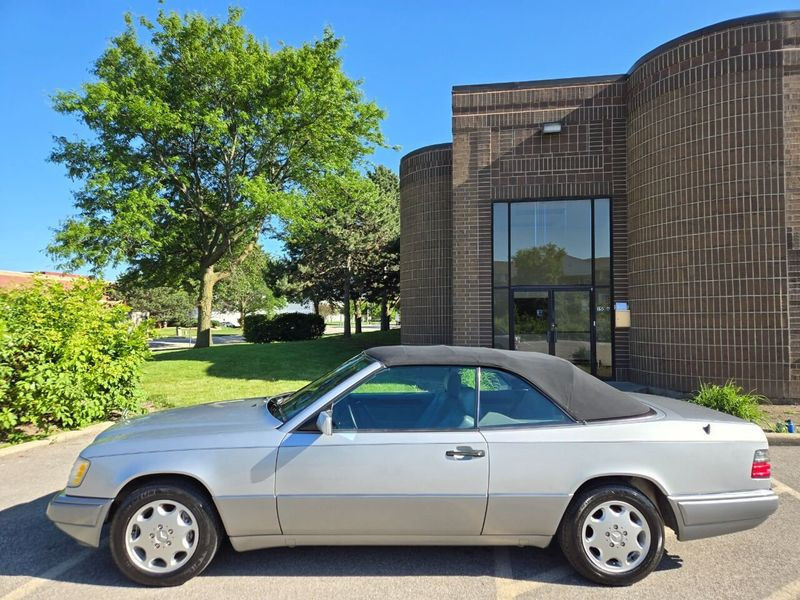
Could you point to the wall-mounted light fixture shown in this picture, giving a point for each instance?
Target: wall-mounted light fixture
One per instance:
(552, 127)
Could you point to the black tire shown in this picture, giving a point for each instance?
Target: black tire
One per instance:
(206, 541)
(585, 504)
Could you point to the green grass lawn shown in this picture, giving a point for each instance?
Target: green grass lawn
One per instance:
(185, 377)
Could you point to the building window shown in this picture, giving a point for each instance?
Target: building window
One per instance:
(602, 242)
(552, 279)
(551, 242)
(500, 216)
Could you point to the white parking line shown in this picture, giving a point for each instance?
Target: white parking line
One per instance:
(508, 588)
(787, 592)
(790, 591)
(782, 488)
(39, 580)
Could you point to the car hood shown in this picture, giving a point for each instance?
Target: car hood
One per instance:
(232, 424)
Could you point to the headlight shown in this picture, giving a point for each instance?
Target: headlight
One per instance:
(78, 472)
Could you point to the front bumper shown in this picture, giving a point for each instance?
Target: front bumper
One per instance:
(78, 517)
(707, 515)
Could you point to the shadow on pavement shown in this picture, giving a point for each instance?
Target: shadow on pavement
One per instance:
(32, 546)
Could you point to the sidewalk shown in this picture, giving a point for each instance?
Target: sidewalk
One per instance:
(176, 343)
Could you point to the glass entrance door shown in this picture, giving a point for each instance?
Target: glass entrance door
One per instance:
(572, 332)
(532, 321)
(556, 322)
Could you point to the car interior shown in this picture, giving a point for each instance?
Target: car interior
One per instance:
(441, 397)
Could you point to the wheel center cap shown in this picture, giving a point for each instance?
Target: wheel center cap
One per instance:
(162, 535)
(616, 536)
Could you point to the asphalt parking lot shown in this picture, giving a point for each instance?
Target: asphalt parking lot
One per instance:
(37, 561)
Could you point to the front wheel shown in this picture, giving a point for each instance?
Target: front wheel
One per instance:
(612, 535)
(163, 534)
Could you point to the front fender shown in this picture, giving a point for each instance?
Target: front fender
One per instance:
(241, 481)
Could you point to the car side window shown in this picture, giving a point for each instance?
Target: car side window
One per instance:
(410, 398)
(508, 400)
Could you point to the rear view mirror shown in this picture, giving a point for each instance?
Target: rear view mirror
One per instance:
(325, 422)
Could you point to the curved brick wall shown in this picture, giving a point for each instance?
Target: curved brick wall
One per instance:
(712, 202)
(426, 192)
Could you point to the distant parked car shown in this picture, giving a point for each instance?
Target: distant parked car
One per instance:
(396, 446)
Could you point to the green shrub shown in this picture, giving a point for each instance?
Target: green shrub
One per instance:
(255, 329)
(286, 327)
(297, 326)
(731, 399)
(67, 357)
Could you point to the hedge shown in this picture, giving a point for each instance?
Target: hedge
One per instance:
(286, 327)
(67, 358)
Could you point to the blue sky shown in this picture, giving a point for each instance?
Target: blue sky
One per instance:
(407, 53)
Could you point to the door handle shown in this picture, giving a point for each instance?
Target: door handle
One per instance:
(466, 451)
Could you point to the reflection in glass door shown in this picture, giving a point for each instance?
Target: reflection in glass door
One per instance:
(554, 322)
(532, 321)
(572, 334)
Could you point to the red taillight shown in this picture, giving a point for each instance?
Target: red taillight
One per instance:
(761, 468)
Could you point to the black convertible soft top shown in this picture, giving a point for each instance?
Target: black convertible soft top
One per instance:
(581, 395)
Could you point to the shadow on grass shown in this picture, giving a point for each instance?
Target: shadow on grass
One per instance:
(281, 361)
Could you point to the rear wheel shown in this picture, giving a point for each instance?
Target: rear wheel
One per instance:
(612, 535)
(163, 534)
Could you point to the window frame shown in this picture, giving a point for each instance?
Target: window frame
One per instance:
(311, 420)
(570, 420)
(508, 288)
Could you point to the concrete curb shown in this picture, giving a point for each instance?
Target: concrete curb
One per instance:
(61, 436)
(783, 439)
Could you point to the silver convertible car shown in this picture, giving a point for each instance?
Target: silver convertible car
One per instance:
(421, 445)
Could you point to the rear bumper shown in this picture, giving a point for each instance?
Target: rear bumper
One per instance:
(707, 515)
(80, 518)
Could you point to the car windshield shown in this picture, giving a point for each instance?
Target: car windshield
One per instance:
(287, 408)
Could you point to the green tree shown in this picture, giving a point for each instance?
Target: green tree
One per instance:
(162, 304)
(199, 137)
(299, 282)
(384, 266)
(335, 235)
(245, 290)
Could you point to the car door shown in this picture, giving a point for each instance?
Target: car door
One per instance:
(405, 458)
(531, 458)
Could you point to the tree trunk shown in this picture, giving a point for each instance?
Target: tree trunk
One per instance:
(316, 306)
(384, 313)
(357, 313)
(241, 314)
(346, 307)
(207, 282)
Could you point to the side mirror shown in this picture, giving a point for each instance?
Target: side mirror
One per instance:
(325, 422)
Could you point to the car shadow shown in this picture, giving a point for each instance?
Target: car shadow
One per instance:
(46, 549)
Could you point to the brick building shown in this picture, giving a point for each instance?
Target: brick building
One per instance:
(645, 225)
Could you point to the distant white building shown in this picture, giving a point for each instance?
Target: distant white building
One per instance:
(296, 307)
